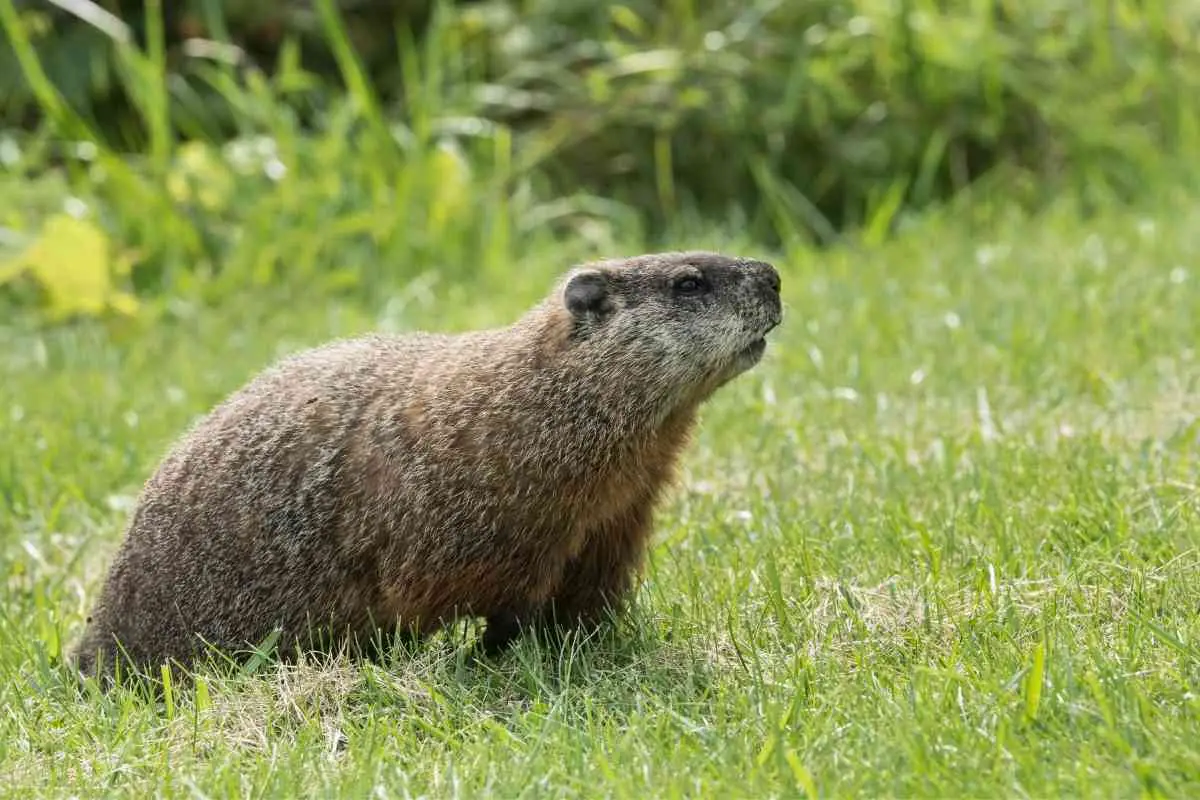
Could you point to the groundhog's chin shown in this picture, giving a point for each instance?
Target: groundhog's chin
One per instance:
(753, 352)
(743, 360)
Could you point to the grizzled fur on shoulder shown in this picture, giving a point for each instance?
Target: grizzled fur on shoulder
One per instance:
(406, 481)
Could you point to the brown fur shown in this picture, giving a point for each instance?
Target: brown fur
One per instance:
(411, 480)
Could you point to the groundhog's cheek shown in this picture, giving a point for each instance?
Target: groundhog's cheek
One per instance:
(725, 336)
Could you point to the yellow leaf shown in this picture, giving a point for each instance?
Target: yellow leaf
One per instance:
(70, 260)
(123, 303)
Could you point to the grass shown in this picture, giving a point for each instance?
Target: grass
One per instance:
(944, 541)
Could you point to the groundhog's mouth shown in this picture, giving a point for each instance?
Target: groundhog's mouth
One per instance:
(753, 351)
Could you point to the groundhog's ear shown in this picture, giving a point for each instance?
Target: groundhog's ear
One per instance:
(586, 294)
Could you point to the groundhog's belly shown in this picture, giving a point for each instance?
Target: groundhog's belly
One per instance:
(429, 587)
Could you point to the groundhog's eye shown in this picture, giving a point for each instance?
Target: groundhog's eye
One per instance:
(690, 284)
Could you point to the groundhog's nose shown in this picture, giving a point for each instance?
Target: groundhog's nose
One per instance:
(768, 283)
(773, 278)
(764, 272)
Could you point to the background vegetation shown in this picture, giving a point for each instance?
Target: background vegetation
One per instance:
(944, 541)
(482, 123)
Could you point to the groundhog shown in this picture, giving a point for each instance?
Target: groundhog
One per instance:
(401, 482)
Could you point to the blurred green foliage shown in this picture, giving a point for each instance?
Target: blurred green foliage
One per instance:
(834, 105)
(411, 122)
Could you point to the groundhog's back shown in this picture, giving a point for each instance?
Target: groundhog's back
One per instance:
(268, 511)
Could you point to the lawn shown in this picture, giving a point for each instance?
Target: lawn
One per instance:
(944, 541)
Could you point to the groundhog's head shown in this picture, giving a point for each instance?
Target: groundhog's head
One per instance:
(696, 319)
